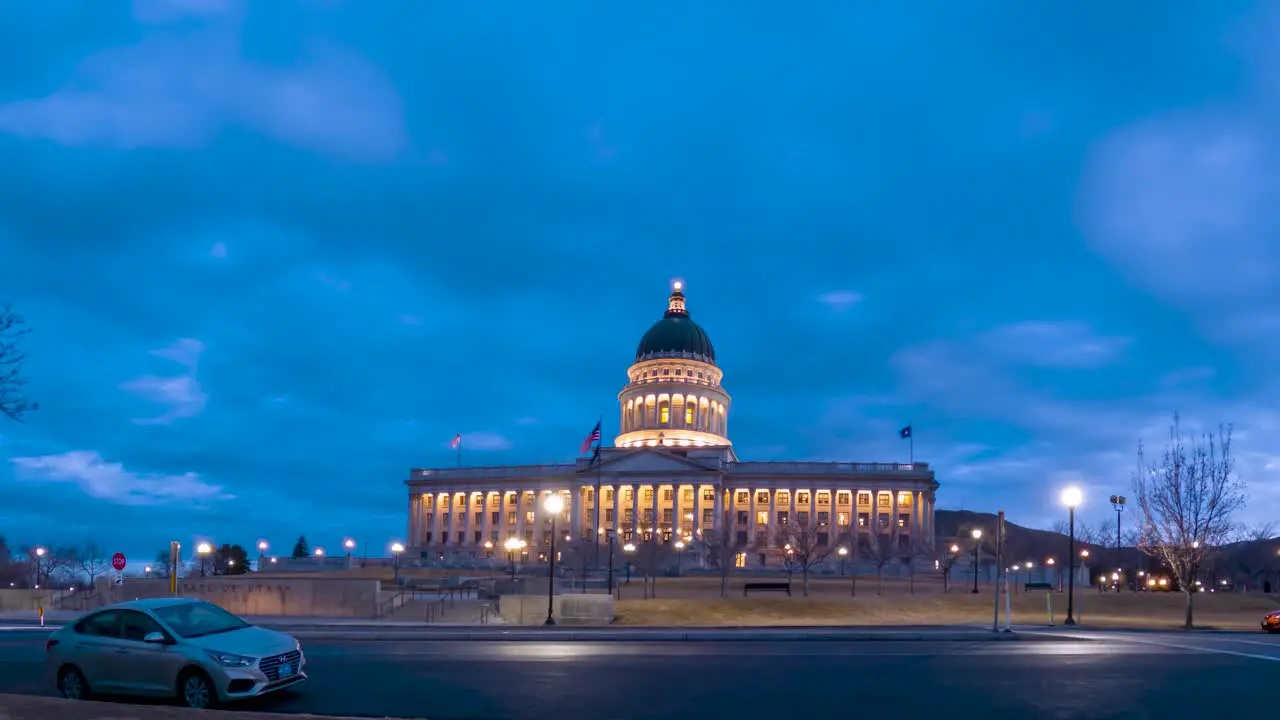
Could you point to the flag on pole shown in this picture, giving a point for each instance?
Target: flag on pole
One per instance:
(592, 437)
(457, 440)
(905, 433)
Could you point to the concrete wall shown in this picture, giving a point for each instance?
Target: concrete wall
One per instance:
(21, 600)
(245, 595)
(589, 609)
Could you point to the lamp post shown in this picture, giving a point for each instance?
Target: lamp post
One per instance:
(262, 553)
(349, 545)
(513, 545)
(40, 553)
(554, 505)
(396, 549)
(843, 552)
(612, 539)
(1071, 497)
(679, 546)
(977, 542)
(629, 549)
(319, 552)
(203, 550)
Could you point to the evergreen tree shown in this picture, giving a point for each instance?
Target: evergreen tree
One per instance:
(300, 549)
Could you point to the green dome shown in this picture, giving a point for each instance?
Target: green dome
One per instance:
(676, 333)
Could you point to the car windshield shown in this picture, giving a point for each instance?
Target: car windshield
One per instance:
(197, 619)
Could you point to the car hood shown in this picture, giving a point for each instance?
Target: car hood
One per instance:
(251, 641)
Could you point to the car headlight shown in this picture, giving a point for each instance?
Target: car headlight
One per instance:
(230, 660)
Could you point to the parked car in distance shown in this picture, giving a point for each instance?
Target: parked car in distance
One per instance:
(1271, 623)
(190, 650)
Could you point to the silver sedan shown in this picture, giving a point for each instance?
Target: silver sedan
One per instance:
(173, 647)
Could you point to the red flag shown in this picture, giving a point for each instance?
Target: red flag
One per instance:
(592, 437)
(457, 440)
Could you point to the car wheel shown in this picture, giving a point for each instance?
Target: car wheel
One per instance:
(72, 685)
(195, 690)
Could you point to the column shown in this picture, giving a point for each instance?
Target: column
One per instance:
(717, 518)
(791, 504)
(487, 503)
(635, 514)
(917, 518)
(436, 520)
(751, 519)
(617, 509)
(813, 507)
(875, 515)
(466, 519)
(677, 520)
(774, 527)
(696, 530)
(575, 512)
(656, 517)
(894, 530)
(414, 504)
(520, 513)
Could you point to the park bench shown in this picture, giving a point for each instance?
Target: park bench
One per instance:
(767, 587)
(1037, 586)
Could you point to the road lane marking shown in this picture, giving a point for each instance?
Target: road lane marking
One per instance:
(1206, 649)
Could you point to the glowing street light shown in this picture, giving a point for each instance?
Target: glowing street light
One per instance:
(843, 552)
(349, 545)
(396, 549)
(1071, 497)
(203, 550)
(262, 553)
(513, 546)
(629, 549)
(554, 505)
(319, 552)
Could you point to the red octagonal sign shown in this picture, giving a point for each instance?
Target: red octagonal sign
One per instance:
(117, 561)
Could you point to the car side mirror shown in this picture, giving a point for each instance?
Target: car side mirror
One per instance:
(154, 638)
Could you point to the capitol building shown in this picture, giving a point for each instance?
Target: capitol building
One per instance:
(673, 477)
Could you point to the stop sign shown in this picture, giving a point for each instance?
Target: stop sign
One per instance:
(117, 561)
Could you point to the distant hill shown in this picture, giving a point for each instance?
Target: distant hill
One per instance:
(1253, 562)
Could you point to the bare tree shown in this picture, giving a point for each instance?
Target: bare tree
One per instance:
(804, 548)
(1188, 498)
(947, 556)
(91, 560)
(14, 403)
(160, 568)
(720, 549)
(880, 549)
(650, 558)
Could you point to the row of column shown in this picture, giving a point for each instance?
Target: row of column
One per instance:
(426, 517)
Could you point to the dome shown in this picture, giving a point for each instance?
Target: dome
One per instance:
(676, 333)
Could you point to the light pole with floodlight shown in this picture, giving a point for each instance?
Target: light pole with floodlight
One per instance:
(977, 543)
(554, 505)
(349, 545)
(262, 553)
(203, 550)
(1071, 497)
(513, 545)
(629, 549)
(843, 552)
(1117, 502)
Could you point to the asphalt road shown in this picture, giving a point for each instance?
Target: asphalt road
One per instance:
(1093, 675)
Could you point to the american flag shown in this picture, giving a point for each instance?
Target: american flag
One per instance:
(592, 437)
(457, 440)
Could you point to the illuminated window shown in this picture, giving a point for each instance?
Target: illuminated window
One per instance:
(824, 518)
(783, 496)
(528, 517)
(626, 494)
(904, 499)
(608, 496)
(740, 560)
(824, 498)
(688, 414)
(762, 497)
(802, 498)
(743, 497)
(511, 518)
(664, 413)
(666, 494)
(666, 515)
(884, 500)
(862, 520)
(686, 495)
(843, 519)
(864, 498)
(648, 494)
(762, 517)
(709, 495)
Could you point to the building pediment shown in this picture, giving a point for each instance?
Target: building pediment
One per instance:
(651, 460)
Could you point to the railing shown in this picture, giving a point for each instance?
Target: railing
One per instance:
(495, 472)
(390, 605)
(822, 468)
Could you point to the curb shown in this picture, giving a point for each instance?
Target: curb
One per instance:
(551, 635)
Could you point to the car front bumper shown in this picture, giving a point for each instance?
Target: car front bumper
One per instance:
(242, 683)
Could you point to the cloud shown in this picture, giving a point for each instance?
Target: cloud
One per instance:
(181, 90)
(114, 483)
(485, 441)
(840, 300)
(1053, 344)
(182, 394)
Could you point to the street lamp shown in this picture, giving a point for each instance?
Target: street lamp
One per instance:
(1117, 502)
(1071, 497)
(843, 552)
(630, 550)
(554, 505)
(513, 545)
(39, 554)
(203, 550)
(146, 571)
(319, 552)
(396, 549)
(262, 553)
(679, 546)
(977, 542)
(350, 545)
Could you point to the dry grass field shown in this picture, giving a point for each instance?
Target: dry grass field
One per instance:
(696, 601)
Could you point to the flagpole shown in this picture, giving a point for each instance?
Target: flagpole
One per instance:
(459, 451)
(911, 445)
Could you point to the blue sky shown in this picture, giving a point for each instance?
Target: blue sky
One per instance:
(272, 258)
